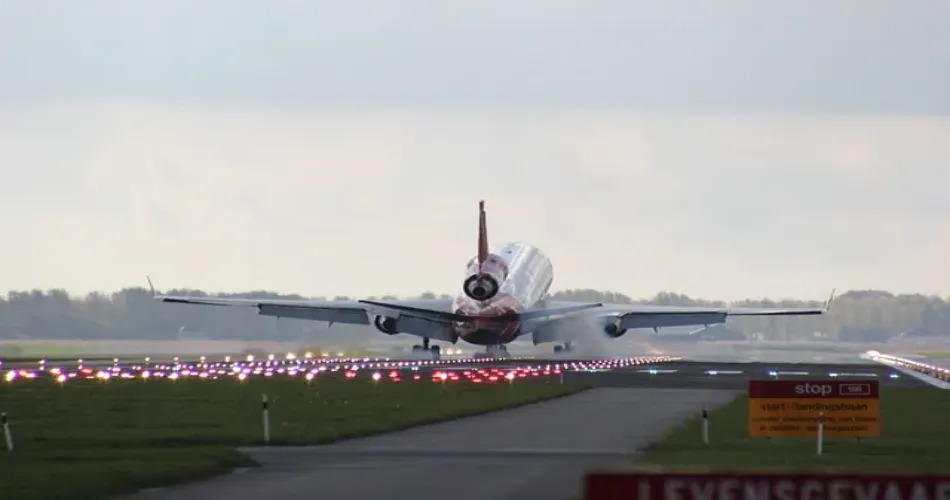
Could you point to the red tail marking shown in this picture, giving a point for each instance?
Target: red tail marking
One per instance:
(482, 236)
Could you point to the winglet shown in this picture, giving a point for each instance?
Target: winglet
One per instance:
(150, 285)
(831, 299)
(482, 235)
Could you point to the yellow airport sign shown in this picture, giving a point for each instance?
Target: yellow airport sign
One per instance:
(792, 408)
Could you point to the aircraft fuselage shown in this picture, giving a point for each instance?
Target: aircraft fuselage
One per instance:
(508, 280)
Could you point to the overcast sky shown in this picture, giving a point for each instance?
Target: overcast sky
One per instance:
(723, 149)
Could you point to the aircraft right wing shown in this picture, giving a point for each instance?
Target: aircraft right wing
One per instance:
(622, 317)
(338, 311)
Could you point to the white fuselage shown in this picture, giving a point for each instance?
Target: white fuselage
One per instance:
(527, 276)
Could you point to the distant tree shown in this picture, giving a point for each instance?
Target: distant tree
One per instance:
(131, 313)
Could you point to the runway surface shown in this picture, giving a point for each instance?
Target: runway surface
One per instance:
(537, 451)
(941, 362)
(736, 376)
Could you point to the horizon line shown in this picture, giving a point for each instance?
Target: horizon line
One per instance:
(146, 288)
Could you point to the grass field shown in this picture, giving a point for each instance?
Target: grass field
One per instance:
(52, 351)
(936, 354)
(914, 437)
(93, 439)
(36, 351)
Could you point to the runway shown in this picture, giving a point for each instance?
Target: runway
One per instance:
(736, 376)
(537, 451)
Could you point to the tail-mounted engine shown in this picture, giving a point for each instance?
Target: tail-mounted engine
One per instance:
(385, 324)
(485, 284)
(612, 328)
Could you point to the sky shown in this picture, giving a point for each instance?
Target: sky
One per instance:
(724, 150)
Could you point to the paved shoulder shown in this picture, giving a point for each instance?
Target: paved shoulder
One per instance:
(536, 451)
(595, 421)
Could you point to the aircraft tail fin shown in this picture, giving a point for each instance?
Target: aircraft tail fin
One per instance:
(830, 300)
(482, 235)
(151, 287)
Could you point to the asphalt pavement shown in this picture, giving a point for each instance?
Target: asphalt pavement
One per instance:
(736, 376)
(536, 451)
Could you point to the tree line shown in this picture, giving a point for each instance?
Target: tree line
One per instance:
(132, 313)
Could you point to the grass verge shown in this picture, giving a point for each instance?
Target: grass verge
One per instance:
(37, 351)
(96, 439)
(936, 354)
(914, 438)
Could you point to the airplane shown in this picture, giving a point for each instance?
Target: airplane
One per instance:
(504, 296)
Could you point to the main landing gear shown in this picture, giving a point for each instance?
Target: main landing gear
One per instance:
(425, 347)
(565, 348)
(493, 351)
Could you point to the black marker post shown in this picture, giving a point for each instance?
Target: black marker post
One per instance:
(7, 435)
(265, 414)
(705, 427)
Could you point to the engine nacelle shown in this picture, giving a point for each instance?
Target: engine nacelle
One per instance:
(485, 284)
(481, 287)
(385, 324)
(612, 328)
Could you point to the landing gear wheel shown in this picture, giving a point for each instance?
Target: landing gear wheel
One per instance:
(496, 351)
(565, 348)
(433, 350)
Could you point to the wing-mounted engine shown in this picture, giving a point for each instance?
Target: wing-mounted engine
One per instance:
(386, 325)
(483, 284)
(612, 328)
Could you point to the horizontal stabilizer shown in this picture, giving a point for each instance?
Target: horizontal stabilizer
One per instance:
(442, 316)
(558, 311)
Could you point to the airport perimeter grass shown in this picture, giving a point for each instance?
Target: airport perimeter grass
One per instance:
(915, 438)
(36, 351)
(94, 439)
(936, 354)
(31, 353)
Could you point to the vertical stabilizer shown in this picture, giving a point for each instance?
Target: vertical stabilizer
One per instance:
(482, 236)
(486, 279)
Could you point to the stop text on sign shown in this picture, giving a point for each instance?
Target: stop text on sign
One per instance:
(792, 408)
